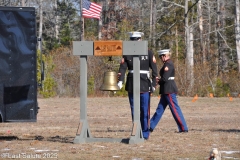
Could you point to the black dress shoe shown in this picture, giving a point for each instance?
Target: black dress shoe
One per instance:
(183, 131)
(150, 129)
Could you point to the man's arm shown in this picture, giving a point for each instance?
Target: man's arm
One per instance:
(166, 72)
(121, 72)
(153, 66)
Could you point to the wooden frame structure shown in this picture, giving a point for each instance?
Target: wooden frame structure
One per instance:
(107, 48)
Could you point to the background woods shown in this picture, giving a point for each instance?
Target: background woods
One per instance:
(203, 36)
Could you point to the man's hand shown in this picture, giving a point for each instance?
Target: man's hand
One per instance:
(120, 84)
(157, 80)
(153, 89)
(118, 76)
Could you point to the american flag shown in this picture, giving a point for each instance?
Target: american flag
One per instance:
(90, 9)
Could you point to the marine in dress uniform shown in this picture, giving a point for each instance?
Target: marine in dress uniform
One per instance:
(147, 83)
(168, 91)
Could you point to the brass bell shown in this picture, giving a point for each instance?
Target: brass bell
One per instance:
(110, 81)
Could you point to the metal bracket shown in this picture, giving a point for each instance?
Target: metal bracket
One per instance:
(83, 132)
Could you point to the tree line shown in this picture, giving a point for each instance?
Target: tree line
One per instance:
(202, 34)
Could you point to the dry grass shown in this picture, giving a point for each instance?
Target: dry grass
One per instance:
(213, 123)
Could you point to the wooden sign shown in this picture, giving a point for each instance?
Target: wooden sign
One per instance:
(108, 48)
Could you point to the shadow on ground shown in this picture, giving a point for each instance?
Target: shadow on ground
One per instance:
(39, 138)
(226, 130)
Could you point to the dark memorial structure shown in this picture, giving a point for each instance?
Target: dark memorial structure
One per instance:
(18, 64)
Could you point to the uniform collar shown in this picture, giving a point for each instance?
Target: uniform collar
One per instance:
(167, 60)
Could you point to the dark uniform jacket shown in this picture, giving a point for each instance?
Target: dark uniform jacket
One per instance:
(166, 82)
(146, 62)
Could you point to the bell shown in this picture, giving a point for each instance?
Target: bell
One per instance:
(110, 81)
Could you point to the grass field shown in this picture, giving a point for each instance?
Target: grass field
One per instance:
(212, 122)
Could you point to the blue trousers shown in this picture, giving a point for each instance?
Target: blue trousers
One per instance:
(144, 111)
(171, 100)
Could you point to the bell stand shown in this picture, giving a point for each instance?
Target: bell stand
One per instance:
(84, 49)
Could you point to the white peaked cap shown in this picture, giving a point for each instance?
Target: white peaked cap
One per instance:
(162, 52)
(135, 34)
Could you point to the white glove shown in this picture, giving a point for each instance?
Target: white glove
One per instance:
(153, 89)
(120, 84)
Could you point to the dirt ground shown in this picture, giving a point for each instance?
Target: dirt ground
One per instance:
(212, 122)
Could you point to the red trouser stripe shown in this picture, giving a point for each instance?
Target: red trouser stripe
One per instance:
(149, 102)
(175, 112)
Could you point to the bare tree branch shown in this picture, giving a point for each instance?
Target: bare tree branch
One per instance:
(174, 3)
(224, 40)
(159, 35)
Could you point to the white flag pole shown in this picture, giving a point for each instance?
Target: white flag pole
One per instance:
(81, 23)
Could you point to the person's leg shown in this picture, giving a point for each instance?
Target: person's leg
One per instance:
(144, 116)
(159, 112)
(177, 113)
(130, 97)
